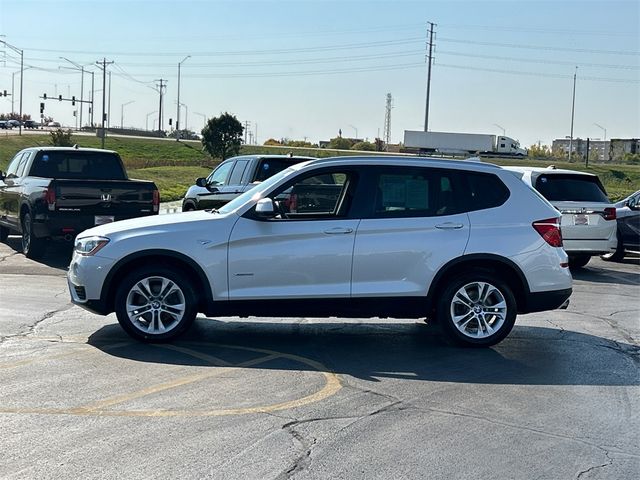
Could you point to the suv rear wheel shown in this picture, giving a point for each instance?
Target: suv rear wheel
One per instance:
(477, 309)
(155, 304)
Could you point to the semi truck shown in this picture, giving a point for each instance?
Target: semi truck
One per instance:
(461, 143)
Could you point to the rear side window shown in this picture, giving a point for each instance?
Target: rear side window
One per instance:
(573, 188)
(484, 190)
(78, 165)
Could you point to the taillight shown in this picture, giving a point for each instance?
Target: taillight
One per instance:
(549, 230)
(50, 198)
(156, 201)
(609, 213)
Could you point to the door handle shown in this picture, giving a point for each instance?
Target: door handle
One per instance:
(449, 226)
(338, 231)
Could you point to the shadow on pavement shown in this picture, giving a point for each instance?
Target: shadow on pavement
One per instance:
(58, 253)
(370, 351)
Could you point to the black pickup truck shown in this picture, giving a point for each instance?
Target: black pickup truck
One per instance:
(234, 176)
(57, 192)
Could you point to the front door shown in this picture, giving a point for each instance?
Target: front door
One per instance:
(306, 251)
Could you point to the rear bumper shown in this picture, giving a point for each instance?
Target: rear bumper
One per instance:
(542, 301)
(64, 225)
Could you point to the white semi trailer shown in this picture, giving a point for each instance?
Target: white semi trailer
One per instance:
(457, 143)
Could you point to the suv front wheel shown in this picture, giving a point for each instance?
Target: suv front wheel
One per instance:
(476, 309)
(155, 304)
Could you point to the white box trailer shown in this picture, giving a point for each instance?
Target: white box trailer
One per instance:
(467, 143)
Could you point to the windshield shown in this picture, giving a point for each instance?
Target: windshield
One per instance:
(571, 188)
(256, 192)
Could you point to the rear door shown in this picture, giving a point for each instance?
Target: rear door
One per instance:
(414, 226)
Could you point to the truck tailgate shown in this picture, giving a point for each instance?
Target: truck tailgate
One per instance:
(118, 198)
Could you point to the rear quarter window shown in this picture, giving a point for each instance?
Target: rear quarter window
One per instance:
(484, 190)
(571, 188)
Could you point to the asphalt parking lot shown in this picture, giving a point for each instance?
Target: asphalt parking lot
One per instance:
(317, 398)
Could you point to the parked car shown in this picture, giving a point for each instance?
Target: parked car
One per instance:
(466, 243)
(57, 192)
(588, 217)
(628, 223)
(233, 177)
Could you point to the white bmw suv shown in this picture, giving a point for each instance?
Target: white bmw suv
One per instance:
(461, 242)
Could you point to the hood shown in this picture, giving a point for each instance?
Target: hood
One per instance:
(155, 223)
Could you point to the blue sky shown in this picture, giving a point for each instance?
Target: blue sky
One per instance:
(307, 68)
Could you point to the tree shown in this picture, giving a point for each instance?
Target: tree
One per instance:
(222, 136)
(340, 143)
(61, 138)
(366, 146)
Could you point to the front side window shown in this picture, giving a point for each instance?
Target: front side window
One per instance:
(319, 195)
(220, 175)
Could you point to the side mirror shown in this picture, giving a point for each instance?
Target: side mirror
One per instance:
(265, 208)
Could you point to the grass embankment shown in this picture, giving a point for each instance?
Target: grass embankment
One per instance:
(174, 166)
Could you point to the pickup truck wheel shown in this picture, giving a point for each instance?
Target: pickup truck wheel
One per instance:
(4, 233)
(32, 246)
(155, 304)
(476, 310)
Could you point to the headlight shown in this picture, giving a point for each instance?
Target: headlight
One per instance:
(90, 245)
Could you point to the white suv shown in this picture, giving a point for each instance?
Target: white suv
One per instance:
(588, 216)
(463, 242)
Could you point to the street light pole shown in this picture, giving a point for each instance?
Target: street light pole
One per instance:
(81, 68)
(501, 128)
(573, 104)
(122, 113)
(21, 52)
(178, 113)
(605, 139)
(146, 123)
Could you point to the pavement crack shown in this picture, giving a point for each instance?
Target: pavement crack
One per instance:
(596, 467)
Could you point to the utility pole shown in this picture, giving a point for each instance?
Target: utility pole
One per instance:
(430, 57)
(573, 104)
(163, 85)
(387, 120)
(247, 124)
(103, 65)
(178, 112)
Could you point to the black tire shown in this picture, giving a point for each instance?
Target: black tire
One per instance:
(493, 308)
(578, 261)
(157, 320)
(4, 233)
(616, 256)
(32, 246)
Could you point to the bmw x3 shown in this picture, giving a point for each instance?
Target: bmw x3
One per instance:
(463, 243)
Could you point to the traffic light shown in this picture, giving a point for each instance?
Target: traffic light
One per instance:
(41, 107)
(73, 100)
